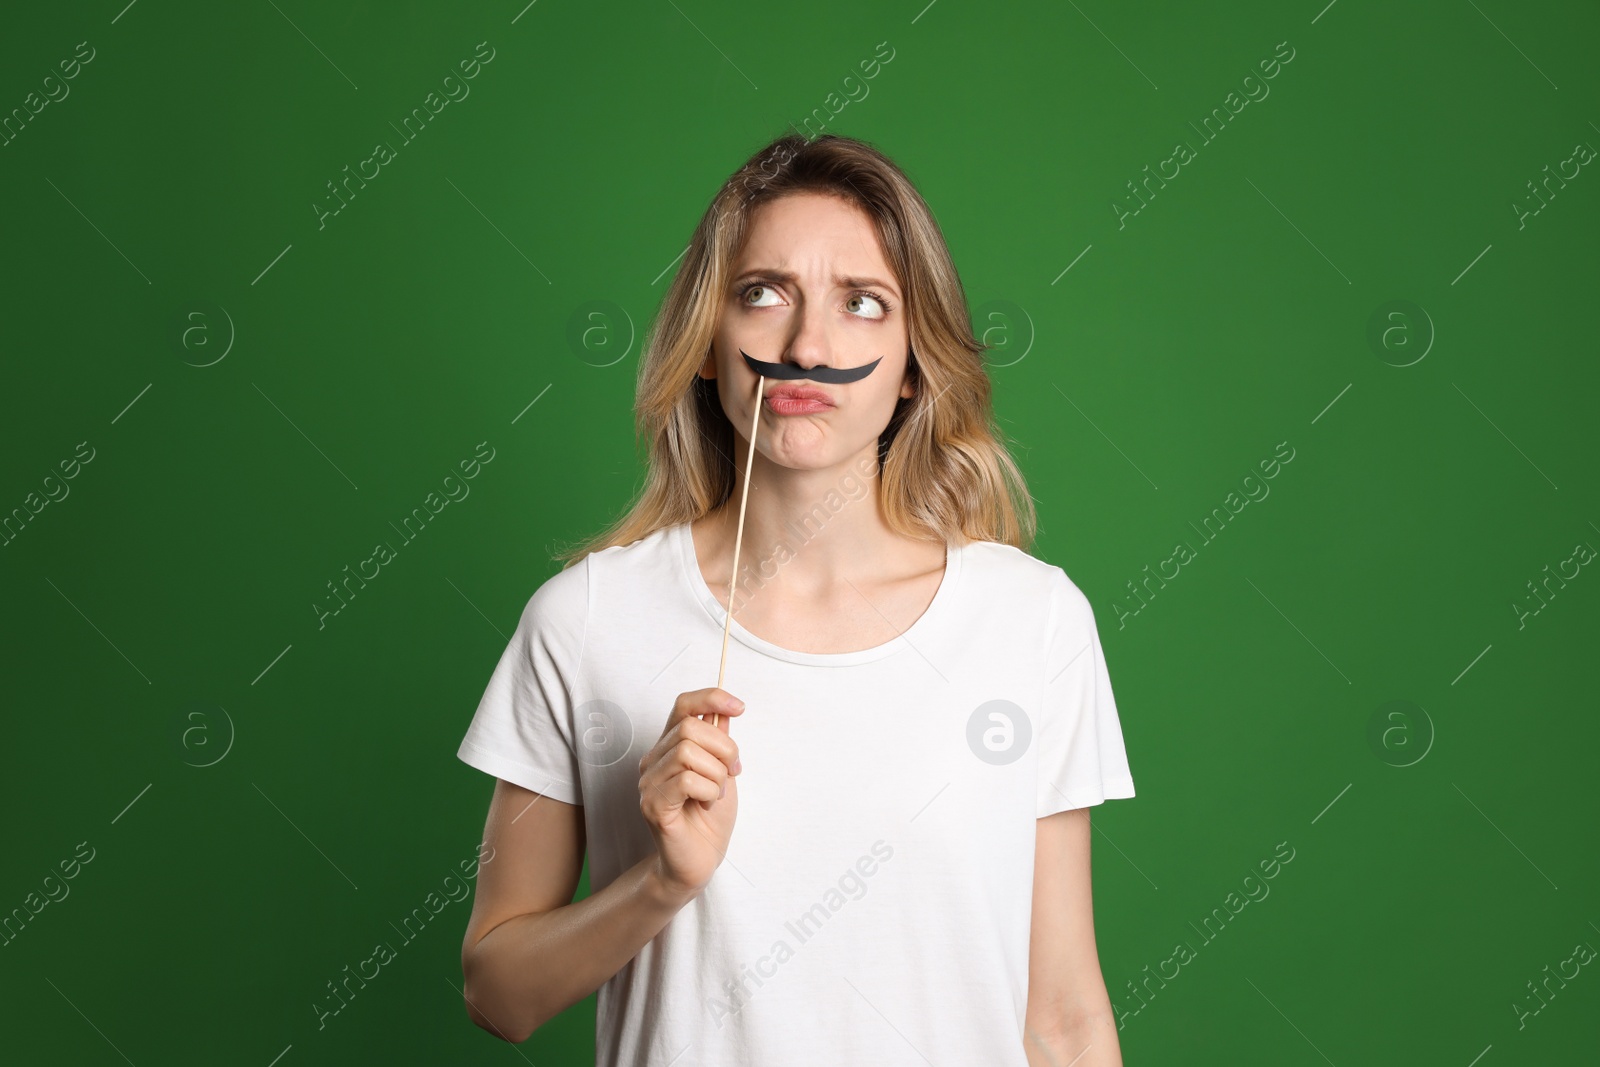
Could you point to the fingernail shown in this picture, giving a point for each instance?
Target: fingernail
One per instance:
(722, 790)
(737, 765)
(734, 704)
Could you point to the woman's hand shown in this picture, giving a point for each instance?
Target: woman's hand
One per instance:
(687, 790)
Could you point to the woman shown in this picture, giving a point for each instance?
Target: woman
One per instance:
(926, 706)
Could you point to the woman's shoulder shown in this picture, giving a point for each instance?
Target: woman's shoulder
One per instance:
(1007, 560)
(567, 587)
(997, 566)
(615, 567)
(558, 607)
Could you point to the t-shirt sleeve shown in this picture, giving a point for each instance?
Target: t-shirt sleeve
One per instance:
(523, 728)
(1082, 760)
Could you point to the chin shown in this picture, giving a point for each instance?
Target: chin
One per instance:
(804, 458)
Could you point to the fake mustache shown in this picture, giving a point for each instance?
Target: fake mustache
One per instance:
(828, 375)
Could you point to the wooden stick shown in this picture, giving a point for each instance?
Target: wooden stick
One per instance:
(738, 537)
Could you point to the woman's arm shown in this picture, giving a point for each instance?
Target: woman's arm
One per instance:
(529, 952)
(1068, 1018)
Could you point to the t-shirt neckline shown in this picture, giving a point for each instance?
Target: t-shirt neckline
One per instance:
(695, 583)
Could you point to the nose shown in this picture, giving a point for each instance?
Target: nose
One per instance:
(809, 346)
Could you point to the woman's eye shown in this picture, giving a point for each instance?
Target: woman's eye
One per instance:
(757, 291)
(856, 302)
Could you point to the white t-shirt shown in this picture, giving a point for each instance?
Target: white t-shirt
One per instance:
(875, 900)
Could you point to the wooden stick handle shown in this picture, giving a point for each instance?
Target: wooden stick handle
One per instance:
(738, 537)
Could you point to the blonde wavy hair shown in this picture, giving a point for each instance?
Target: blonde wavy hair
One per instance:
(943, 471)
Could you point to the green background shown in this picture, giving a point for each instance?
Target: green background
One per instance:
(266, 798)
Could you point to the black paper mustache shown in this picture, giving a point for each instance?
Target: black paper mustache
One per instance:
(828, 375)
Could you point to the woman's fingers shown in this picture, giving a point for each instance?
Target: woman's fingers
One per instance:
(671, 792)
(714, 740)
(687, 756)
(699, 702)
(690, 728)
(715, 744)
(697, 785)
(691, 760)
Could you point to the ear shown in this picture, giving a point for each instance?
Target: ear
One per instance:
(708, 368)
(908, 387)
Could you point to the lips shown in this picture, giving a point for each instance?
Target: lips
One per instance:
(799, 392)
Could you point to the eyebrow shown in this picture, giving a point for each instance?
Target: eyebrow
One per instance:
(844, 282)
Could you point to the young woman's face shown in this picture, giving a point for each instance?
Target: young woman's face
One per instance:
(811, 289)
